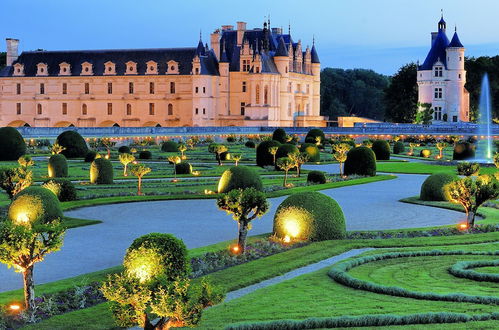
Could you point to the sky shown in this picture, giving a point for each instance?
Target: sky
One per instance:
(381, 35)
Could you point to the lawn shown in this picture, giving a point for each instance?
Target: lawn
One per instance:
(424, 168)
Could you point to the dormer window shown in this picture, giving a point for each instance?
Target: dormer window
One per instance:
(131, 67)
(172, 67)
(64, 69)
(109, 68)
(18, 69)
(152, 67)
(438, 71)
(196, 65)
(86, 69)
(42, 69)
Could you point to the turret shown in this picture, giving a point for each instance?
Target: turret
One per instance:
(316, 63)
(281, 57)
(455, 54)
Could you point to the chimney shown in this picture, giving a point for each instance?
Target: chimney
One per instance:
(215, 43)
(227, 27)
(12, 53)
(241, 28)
(276, 30)
(433, 37)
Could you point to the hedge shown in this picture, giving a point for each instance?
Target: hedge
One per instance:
(12, 145)
(91, 156)
(74, 143)
(398, 147)
(169, 146)
(145, 154)
(312, 134)
(64, 189)
(432, 188)
(463, 150)
(462, 269)
(101, 171)
(316, 177)
(57, 166)
(183, 168)
(124, 150)
(279, 135)
(263, 156)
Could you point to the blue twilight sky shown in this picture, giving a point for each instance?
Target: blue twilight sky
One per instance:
(376, 34)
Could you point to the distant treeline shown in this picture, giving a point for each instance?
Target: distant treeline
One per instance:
(3, 59)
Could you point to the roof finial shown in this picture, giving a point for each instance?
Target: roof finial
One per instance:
(289, 27)
(269, 21)
(442, 12)
(313, 40)
(200, 35)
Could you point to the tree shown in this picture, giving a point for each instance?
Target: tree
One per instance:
(236, 158)
(7, 180)
(126, 159)
(496, 159)
(472, 192)
(217, 149)
(190, 143)
(285, 164)
(245, 205)
(401, 96)
(340, 154)
(139, 170)
(412, 145)
(299, 158)
(273, 152)
(24, 176)
(182, 148)
(424, 115)
(441, 145)
(174, 160)
(57, 149)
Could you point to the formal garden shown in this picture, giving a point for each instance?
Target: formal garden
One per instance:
(262, 231)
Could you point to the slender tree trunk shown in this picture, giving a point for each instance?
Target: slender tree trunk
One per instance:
(470, 218)
(243, 232)
(139, 186)
(146, 323)
(124, 171)
(341, 168)
(29, 289)
(219, 159)
(298, 169)
(285, 178)
(274, 158)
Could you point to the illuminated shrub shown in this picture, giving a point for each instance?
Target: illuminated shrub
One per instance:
(35, 205)
(250, 144)
(91, 156)
(425, 153)
(313, 134)
(57, 166)
(145, 154)
(432, 188)
(398, 147)
(311, 150)
(284, 150)
(124, 150)
(183, 168)
(239, 177)
(12, 145)
(279, 135)
(64, 189)
(463, 150)
(225, 156)
(263, 155)
(101, 171)
(74, 143)
(169, 146)
(360, 161)
(309, 216)
(316, 177)
(381, 149)
(468, 169)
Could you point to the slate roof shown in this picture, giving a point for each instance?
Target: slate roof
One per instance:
(282, 50)
(314, 55)
(437, 52)
(455, 42)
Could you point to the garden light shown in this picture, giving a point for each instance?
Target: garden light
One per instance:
(235, 249)
(22, 219)
(287, 239)
(15, 307)
(291, 227)
(463, 226)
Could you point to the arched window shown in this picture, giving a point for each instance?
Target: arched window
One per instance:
(39, 109)
(257, 98)
(84, 109)
(266, 95)
(170, 109)
(128, 109)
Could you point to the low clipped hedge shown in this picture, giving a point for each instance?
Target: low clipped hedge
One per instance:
(250, 144)
(169, 146)
(463, 269)
(145, 154)
(74, 143)
(64, 189)
(101, 171)
(12, 145)
(124, 150)
(279, 135)
(432, 188)
(38, 204)
(316, 177)
(310, 216)
(57, 166)
(183, 168)
(239, 177)
(360, 161)
(398, 147)
(312, 151)
(91, 156)
(381, 149)
(263, 156)
(463, 150)
(312, 134)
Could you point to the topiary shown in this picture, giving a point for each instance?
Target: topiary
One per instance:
(398, 147)
(284, 150)
(169, 146)
(425, 153)
(239, 177)
(101, 171)
(250, 144)
(463, 150)
(360, 161)
(124, 150)
(91, 156)
(74, 143)
(316, 177)
(280, 135)
(12, 145)
(225, 156)
(35, 205)
(309, 216)
(263, 155)
(381, 149)
(432, 188)
(312, 134)
(145, 154)
(183, 168)
(57, 166)
(64, 189)
(313, 153)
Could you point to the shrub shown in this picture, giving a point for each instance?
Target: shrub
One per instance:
(468, 169)
(57, 166)
(169, 146)
(284, 150)
(124, 150)
(313, 153)
(312, 134)
(145, 154)
(381, 149)
(225, 156)
(74, 143)
(398, 147)
(360, 161)
(316, 177)
(36, 205)
(231, 139)
(64, 189)
(91, 156)
(425, 153)
(250, 144)
(12, 145)
(239, 177)
(309, 216)
(279, 135)
(463, 151)
(183, 168)
(432, 188)
(263, 155)
(101, 171)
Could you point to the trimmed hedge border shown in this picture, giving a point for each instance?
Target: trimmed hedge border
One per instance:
(340, 274)
(462, 269)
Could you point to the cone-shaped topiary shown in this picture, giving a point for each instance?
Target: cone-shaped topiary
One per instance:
(12, 145)
(313, 153)
(360, 161)
(398, 147)
(463, 150)
(183, 168)
(169, 146)
(101, 171)
(74, 143)
(316, 177)
(309, 216)
(35, 205)
(313, 134)
(57, 166)
(432, 188)
(381, 149)
(279, 135)
(239, 177)
(263, 155)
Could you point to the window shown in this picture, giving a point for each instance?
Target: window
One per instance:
(243, 108)
(18, 89)
(197, 111)
(266, 95)
(286, 69)
(244, 87)
(204, 111)
(87, 88)
(290, 87)
(64, 108)
(257, 98)
(18, 108)
(39, 109)
(42, 88)
(170, 109)
(64, 88)
(110, 88)
(128, 109)
(151, 109)
(246, 65)
(459, 76)
(197, 90)
(460, 58)
(307, 109)
(437, 114)
(308, 89)
(109, 108)
(197, 70)
(151, 88)
(204, 90)
(172, 88)
(438, 93)
(454, 119)
(130, 87)
(84, 109)
(438, 71)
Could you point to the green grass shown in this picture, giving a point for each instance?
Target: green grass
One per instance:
(424, 168)
(75, 222)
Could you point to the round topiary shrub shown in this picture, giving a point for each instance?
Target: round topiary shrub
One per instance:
(183, 168)
(425, 153)
(239, 177)
(463, 150)
(74, 143)
(279, 135)
(231, 139)
(313, 134)
(57, 166)
(145, 154)
(398, 147)
(309, 216)
(313, 153)
(360, 161)
(225, 156)
(12, 145)
(154, 256)
(250, 144)
(284, 151)
(64, 189)
(316, 177)
(169, 146)
(101, 171)
(263, 155)
(124, 150)
(91, 156)
(381, 149)
(432, 188)
(34, 205)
